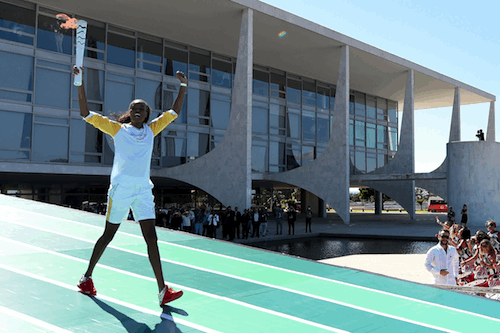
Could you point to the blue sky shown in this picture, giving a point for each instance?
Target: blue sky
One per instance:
(459, 39)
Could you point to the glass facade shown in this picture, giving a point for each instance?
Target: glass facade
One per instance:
(292, 115)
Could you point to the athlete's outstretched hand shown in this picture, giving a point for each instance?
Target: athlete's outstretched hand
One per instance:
(181, 77)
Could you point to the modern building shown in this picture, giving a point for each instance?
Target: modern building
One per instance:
(273, 100)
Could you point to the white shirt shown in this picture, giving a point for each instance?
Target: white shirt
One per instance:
(437, 259)
(133, 146)
(186, 222)
(215, 220)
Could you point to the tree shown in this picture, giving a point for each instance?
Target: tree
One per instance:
(368, 194)
(421, 196)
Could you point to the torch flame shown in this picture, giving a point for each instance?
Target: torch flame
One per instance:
(69, 23)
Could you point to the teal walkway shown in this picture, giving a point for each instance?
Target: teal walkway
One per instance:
(44, 250)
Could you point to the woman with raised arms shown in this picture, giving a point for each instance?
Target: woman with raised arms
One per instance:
(131, 187)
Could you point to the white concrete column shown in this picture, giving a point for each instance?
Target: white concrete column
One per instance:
(455, 133)
(241, 103)
(403, 191)
(341, 133)
(490, 132)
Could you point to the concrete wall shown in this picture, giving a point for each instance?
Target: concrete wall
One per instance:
(473, 169)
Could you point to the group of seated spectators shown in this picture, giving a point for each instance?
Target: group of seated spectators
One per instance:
(479, 255)
(251, 222)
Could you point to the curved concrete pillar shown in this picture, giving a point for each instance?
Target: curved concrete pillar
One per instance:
(436, 186)
(490, 132)
(473, 171)
(225, 172)
(403, 191)
(328, 176)
(455, 132)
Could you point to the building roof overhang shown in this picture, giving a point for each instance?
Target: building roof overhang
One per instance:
(309, 50)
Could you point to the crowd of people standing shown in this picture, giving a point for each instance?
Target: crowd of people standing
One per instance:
(234, 224)
(462, 259)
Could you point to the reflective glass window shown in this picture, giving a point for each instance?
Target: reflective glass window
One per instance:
(169, 97)
(260, 120)
(293, 153)
(371, 110)
(150, 91)
(17, 133)
(175, 150)
(259, 159)
(20, 21)
(121, 50)
(351, 132)
(381, 160)
(118, 96)
(360, 104)
(198, 107)
(278, 85)
(175, 60)
(293, 91)
(96, 38)
(260, 83)
(308, 125)
(381, 108)
(149, 50)
(18, 69)
(52, 88)
(50, 143)
(197, 144)
(308, 93)
(199, 63)
(293, 126)
(51, 37)
(277, 153)
(371, 162)
(393, 138)
(221, 73)
(14, 155)
(332, 98)
(323, 132)
(360, 160)
(371, 135)
(393, 112)
(277, 119)
(323, 98)
(381, 136)
(94, 86)
(307, 154)
(220, 113)
(215, 140)
(351, 104)
(84, 137)
(15, 96)
(360, 133)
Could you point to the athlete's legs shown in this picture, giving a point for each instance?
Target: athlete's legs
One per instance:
(149, 233)
(100, 246)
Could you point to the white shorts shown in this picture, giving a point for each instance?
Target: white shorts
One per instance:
(123, 197)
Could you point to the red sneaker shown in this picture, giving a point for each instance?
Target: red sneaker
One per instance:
(87, 286)
(168, 295)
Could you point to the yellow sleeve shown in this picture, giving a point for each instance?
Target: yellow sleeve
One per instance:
(103, 123)
(159, 124)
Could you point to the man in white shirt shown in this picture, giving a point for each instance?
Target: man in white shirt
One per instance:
(442, 260)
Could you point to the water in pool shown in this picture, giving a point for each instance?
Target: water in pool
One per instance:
(323, 248)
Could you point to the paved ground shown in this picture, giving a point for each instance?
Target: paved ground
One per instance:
(387, 225)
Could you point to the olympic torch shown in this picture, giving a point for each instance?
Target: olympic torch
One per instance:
(81, 36)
